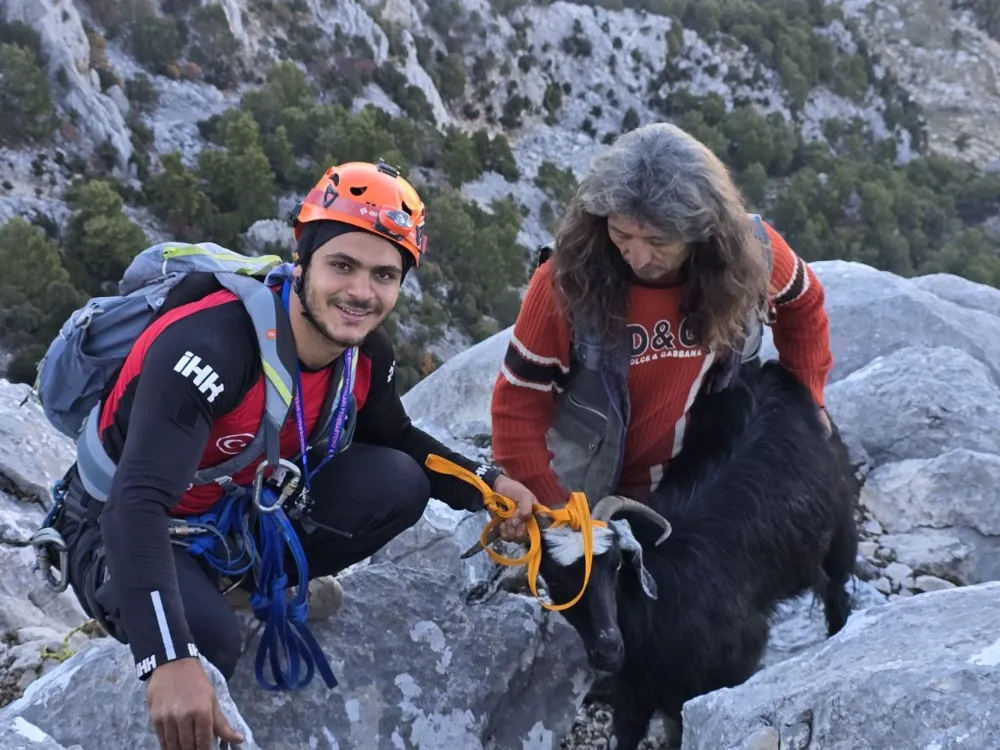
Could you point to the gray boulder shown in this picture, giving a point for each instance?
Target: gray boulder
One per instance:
(960, 291)
(19, 734)
(33, 455)
(873, 313)
(953, 494)
(918, 402)
(419, 668)
(95, 701)
(454, 401)
(416, 666)
(437, 541)
(920, 673)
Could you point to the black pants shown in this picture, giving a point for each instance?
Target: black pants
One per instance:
(370, 492)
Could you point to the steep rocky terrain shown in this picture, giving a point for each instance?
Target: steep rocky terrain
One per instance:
(480, 101)
(492, 98)
(947, 62)
(457, 661)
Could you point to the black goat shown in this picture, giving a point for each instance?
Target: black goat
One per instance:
(760, 509)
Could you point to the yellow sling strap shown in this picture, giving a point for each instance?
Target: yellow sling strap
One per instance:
(575, 514)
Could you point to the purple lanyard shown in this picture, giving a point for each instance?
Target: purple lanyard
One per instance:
(339, 416)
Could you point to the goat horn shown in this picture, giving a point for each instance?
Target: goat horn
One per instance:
(478, 547)
(610, 506)
(543, 523)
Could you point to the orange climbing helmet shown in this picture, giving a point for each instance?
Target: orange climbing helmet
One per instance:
(372, 197)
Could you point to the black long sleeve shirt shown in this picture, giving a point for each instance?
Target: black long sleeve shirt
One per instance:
(156, 427)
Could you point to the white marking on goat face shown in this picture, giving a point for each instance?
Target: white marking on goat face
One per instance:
(566, 545)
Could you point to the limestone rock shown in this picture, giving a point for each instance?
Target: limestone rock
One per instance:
(32, 454)
(954, 492)
(67, 48)
(918, 402)
(935, 656)
(874, 313)
(93, 700)
(417, 666)
(455, 399)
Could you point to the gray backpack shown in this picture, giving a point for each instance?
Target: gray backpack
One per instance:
(93, 343)
(84, 359)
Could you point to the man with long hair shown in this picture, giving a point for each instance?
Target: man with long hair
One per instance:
(657, 287)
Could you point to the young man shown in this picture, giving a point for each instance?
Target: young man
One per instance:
(657, 284)
(358, 232)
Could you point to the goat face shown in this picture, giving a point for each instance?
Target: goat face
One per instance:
(617, 557)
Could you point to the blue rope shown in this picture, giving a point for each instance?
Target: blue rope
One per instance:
(228, 518)
(59, 488)
(285, 631)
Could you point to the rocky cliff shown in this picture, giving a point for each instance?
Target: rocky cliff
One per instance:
(134, 81)
(427, 660)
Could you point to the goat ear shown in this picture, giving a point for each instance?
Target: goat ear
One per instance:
(631, 548)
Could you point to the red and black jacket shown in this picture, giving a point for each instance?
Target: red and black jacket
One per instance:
(159, 427)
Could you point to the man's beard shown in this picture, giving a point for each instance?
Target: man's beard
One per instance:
(312, 307)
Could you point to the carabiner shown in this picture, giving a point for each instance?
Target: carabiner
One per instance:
(289, 488)
(42, 540)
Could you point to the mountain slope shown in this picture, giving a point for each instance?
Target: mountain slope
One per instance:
(135, 121)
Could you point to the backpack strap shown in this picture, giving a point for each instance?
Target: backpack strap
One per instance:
(755, 326)
(337, 382)
(544, 253)
(278, 361)
(760, 232)
(95, 467)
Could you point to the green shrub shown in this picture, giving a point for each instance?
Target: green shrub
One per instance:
(25, 97)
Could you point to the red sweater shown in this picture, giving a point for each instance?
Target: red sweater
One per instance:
(667, 370)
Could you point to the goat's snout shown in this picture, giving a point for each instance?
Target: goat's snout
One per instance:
(607, 653)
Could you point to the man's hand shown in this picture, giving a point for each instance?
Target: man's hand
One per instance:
(513, 529)
(184, 709)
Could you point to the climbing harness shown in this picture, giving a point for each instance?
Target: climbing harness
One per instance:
(237, 517)
(262, 509)
(575, 514)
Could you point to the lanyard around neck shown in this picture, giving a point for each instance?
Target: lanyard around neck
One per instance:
(339, 415)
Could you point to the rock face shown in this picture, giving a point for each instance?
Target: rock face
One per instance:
(916, 391)
(873, 313)
(924, 40)
(416, 667)
(32, 455)
(437, 541)
(916, 674)
(34, 620)
(426, 660)
(918, 402)
(67, 48)
(94, 701)
(455, 399)
(528, 45)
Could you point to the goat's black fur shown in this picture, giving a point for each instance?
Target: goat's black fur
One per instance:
(762, 509)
